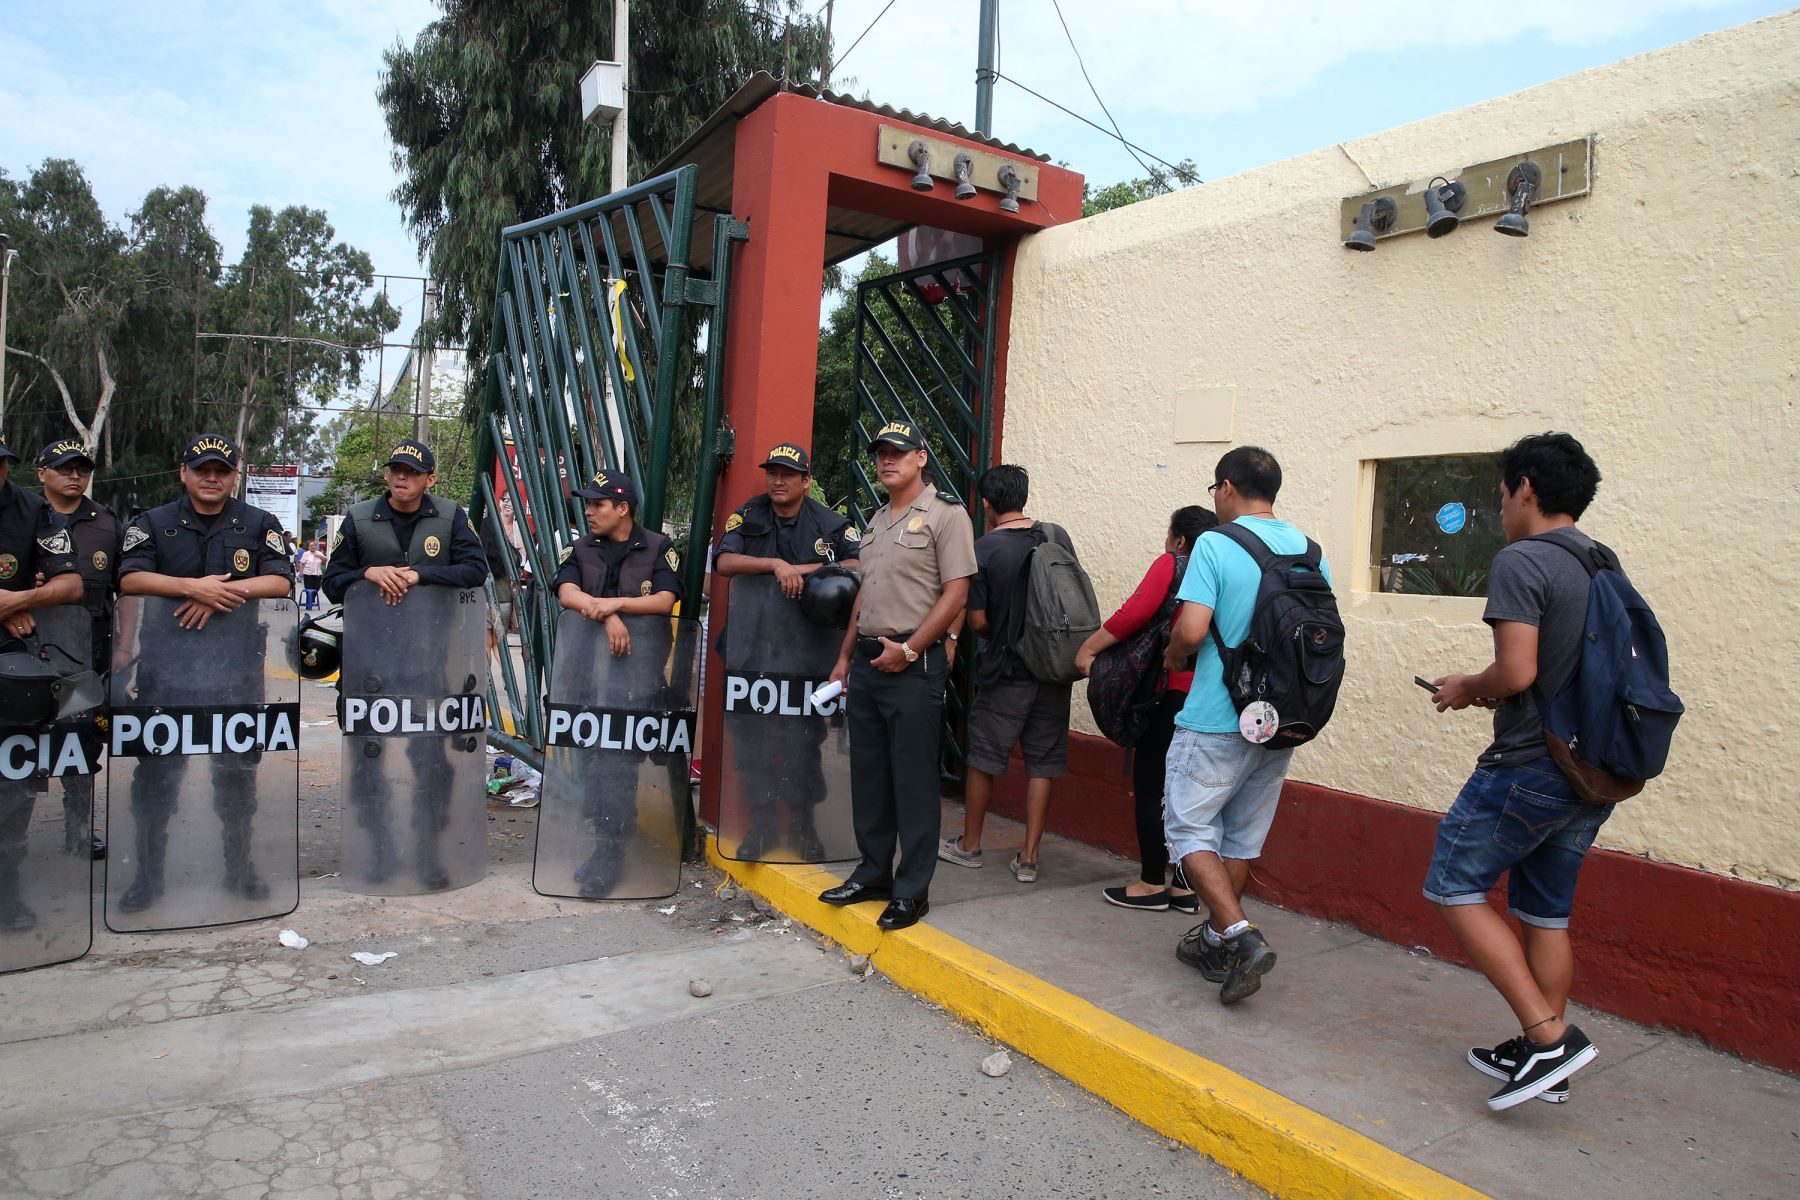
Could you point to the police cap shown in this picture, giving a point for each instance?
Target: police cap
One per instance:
(210, 447)
(416, 456)
(57, 454)
(902, 435)
(788, 455)
(609, 485)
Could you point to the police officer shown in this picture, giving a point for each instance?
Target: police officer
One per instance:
(31, 548)
(784, 532)
(619, 569)
(404, 539)
(918, 554)
(214, 553)
(65, 471)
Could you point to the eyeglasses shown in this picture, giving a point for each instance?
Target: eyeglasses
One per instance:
(1213, 488)
(72, 470)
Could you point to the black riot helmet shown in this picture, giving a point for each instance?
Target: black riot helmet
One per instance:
(319, 645)
(829, 595)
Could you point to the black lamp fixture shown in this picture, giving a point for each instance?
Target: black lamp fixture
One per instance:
(1443, 200)
(1009, 179)
(920, 154)
(1377, 216)
(1521, 182)
(965, 166)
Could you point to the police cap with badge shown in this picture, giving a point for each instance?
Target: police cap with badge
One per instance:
(620, 489)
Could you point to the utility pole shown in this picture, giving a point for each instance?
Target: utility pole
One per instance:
(7, 254)
(427, 345)
(621, 48)
(825, 50)
(984, 68)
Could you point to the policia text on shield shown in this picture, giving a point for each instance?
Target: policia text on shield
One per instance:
(205, 583)
(407, 567)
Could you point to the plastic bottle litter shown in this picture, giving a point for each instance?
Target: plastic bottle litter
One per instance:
(293, 941)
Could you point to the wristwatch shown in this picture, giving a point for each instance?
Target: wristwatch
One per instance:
(951, 636)
(912, 655)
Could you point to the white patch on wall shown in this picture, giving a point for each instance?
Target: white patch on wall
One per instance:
(1205, 414)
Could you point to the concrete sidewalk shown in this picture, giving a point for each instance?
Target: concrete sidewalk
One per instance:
(1372, 1037)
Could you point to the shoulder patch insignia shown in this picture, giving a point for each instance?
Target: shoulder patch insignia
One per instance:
(273, 540)
(670, 557)
(565, 556)
(136, 536)
(733, 521)
(57, 543)
(337, 539)
(852, 534)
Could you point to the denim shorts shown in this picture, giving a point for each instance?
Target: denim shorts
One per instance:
(1220, 793)
(1524, 819)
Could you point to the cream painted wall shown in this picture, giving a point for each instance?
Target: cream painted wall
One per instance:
(1658, 319)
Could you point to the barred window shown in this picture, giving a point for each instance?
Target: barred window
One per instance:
(1436, 524)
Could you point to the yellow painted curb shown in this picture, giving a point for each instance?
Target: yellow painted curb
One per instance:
(1283, 1147)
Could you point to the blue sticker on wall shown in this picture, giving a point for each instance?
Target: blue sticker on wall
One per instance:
(1452, 517)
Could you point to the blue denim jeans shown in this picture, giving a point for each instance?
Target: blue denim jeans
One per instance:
(1526, 820)
(1220, 793)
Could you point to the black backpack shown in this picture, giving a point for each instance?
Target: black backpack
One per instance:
(1128, 679)
(1293, 656)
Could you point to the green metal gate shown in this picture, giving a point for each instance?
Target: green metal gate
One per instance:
(604, 340)
(925, 354)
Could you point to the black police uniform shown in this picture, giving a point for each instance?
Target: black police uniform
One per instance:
(642, 565)
(437, 541)
(243, 542)
(762, 748)
(30, 546)
(98, 537)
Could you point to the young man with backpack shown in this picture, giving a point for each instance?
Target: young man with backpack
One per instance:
(1026, 602)
(1258, 612)
(1559, 606)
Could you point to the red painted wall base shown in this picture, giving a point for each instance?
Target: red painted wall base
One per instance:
(1685, 950)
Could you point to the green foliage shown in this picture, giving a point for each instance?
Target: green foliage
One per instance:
(833, 391)
(102, 327)
(483, 109)
(1130, 191)
(362, 440)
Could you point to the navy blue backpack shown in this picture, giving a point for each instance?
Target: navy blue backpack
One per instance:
(1610, 726)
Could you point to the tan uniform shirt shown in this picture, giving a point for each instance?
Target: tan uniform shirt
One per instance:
(907, 558)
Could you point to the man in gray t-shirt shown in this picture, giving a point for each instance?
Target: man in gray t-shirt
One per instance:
(1542, 585)
(1518, 815)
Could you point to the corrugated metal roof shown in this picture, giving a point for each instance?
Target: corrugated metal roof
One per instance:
(713, 148)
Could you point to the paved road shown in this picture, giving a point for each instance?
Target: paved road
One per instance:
(519, 1046)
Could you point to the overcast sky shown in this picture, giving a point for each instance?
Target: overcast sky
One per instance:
(257, 101)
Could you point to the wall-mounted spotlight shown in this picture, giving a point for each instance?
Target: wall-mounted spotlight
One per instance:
(1009, 179)
(920, 154)
(1443, 200)
(965, 166)
(1521, 182)
(1377, 216)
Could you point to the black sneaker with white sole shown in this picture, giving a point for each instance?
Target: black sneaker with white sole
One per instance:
(1503, 1060)
(1251, 957)
(1544, 1067)
(1211, 961)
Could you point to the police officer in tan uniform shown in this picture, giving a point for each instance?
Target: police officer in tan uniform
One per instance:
(917, 557)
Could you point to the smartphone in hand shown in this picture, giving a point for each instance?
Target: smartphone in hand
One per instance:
(1426, 684)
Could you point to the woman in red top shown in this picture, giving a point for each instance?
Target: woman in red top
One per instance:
(1152, 891)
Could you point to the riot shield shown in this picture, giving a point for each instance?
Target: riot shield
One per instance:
(784, 792)
(203, 782)
(620, 731)
(413, 707)
(50, 749)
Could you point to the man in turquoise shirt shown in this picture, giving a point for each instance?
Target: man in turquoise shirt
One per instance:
(1222, 789)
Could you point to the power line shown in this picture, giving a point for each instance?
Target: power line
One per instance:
(859, 37)
(1117, 132)
(1181, 173)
